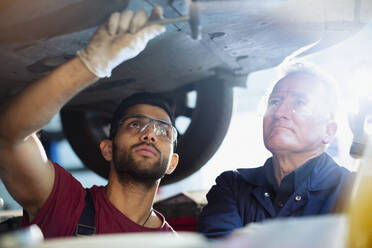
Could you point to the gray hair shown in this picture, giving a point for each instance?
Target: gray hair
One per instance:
(327, 81)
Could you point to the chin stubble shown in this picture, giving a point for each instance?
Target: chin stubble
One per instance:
(128, 168)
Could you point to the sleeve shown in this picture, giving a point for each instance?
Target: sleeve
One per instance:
(60, 213)
(221, 216)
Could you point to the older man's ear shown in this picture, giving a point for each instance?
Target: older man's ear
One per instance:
(331, 130)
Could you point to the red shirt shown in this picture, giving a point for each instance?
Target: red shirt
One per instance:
(61, 212)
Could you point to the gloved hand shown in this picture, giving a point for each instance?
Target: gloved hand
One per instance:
(122, 38)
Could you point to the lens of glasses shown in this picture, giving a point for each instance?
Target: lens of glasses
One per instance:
(139, 123)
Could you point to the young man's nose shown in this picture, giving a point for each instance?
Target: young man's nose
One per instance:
(149, 133)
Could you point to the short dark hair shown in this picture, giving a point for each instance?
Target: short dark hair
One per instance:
(154, 99)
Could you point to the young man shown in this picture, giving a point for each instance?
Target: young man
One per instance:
(300, 178)
(140, 148)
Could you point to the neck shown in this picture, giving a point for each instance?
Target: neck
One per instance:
(285, 163)
(133, 199)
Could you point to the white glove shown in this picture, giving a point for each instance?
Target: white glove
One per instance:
(122, 38)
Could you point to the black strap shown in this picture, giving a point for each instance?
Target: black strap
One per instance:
(86, 222)
(11, 224)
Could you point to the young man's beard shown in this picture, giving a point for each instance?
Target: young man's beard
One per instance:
(129, 169)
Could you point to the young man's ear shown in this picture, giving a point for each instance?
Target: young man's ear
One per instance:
(173, 163)
(331, 130)
(106, 149)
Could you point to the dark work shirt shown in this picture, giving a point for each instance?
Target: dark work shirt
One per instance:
(280, 194)
(241, 196)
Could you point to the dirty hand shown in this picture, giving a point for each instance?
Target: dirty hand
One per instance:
(122, 38)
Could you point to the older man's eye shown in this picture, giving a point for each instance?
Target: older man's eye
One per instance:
(273, 102)
(300, 102)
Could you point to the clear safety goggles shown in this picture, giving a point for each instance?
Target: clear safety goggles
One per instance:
(138, 123)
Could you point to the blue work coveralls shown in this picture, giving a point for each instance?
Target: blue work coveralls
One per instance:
(242, 196)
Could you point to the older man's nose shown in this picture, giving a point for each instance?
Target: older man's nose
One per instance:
(283, 110)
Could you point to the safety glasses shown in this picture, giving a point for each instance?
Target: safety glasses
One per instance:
(139, 123)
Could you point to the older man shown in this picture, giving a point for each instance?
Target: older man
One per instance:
(139, 149)
(299, 179)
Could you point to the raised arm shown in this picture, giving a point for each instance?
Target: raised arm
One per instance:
(24, 168)
(33, 108)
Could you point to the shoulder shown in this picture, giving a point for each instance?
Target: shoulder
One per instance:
(233, 183)
(65, 182)
(62, 173)
(66, 199)
(97, 190)
(329, 167)
(244, 175)
(328, 174)
(99, 198)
